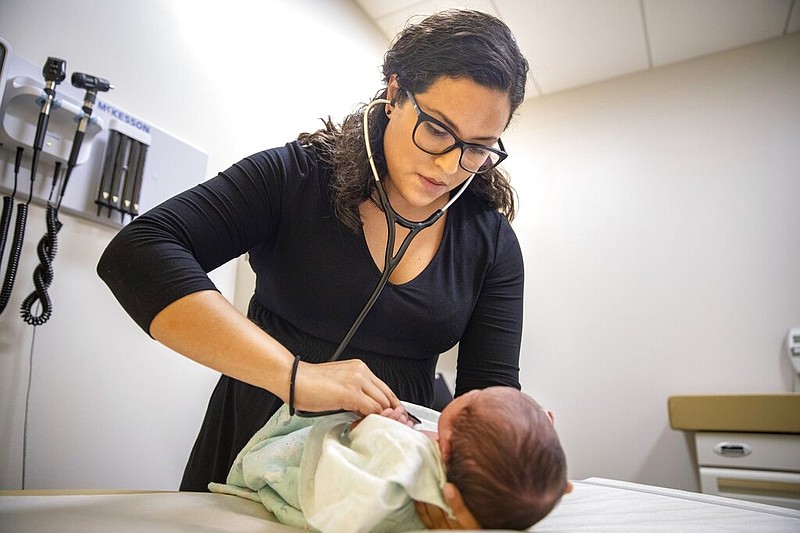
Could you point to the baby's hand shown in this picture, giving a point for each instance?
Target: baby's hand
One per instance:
(400, 414)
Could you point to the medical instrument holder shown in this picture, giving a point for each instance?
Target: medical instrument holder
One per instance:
(46, 249)
(22, 94)
(169, 166)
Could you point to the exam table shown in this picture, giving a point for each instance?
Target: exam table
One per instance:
(596, 504)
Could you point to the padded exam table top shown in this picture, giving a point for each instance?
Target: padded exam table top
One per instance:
(596, 504)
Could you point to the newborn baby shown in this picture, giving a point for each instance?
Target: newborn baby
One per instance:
(494, 453)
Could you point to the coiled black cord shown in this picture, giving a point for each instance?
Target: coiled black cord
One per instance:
(5, 222)
(8, 204)
(19, 235)
(14, 255)
(43, 273)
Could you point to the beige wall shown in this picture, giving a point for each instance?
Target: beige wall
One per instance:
(110, 408)
(658, 218)
(660, 223)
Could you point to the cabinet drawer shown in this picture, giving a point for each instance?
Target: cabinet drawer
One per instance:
(762, 486)
(771, 451)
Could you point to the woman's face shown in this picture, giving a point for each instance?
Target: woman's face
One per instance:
(420, 183)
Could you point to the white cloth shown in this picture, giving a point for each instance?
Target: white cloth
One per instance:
(320, 474)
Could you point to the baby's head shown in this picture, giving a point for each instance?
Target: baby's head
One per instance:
(502, 452)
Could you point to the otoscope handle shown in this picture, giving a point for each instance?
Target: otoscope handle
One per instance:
(88, 104)
(76, 148)
(92, 84)
(73, 159)
(41, 129)
(18, 159)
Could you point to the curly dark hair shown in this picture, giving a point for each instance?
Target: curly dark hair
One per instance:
(452, 43)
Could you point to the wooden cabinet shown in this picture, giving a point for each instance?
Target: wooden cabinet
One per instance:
(747, 446)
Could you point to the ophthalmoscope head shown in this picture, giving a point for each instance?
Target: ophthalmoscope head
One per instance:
(90, 83)
(54, 70)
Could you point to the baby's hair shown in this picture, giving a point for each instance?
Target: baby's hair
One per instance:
(506, 460)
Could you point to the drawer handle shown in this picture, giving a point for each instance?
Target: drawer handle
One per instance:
(733, 449)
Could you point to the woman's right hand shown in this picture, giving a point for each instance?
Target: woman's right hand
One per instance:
(205, 327)
(348, 385)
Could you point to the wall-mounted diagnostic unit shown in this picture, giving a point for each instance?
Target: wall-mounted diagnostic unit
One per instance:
(65, 147)
(123, 157)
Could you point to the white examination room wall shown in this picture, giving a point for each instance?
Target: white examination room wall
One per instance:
(660, 222)
(110, 408)
(658, 218)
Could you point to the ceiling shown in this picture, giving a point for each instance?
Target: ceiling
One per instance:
(570, 43)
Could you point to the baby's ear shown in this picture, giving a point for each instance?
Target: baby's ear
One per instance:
(551, 415)
(569, 487)
(444, 446)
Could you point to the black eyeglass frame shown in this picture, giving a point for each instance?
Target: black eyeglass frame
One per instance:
(422, 116)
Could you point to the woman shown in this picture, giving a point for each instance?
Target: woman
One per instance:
(309, 217)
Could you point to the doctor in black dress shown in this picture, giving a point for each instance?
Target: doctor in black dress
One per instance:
(308, 216)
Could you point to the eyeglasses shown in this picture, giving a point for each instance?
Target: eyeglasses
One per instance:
(432, 136)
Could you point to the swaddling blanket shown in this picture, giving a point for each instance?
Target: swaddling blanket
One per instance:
(317, 473)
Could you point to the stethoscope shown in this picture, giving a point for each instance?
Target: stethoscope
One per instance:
(391, 259)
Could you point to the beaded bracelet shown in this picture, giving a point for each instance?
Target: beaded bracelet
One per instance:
(292, 380)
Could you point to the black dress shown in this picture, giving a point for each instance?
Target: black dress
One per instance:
(313, 276)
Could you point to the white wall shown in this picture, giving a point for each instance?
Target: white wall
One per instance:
(660, 222)
(658, 217)
(110, 408)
